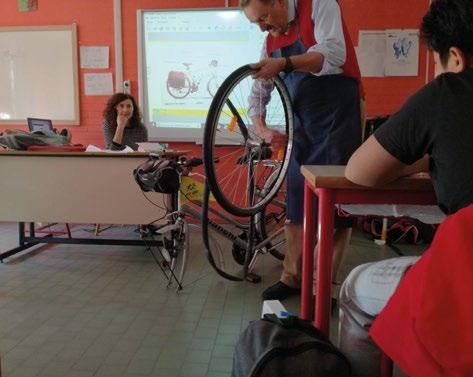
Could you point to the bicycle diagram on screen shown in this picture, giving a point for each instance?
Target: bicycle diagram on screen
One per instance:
(180, 84)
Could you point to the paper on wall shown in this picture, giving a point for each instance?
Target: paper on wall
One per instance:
(402, 52)
(370, 52)
(94, 56)
(98, 84)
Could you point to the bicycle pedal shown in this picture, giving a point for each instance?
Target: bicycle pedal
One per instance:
(253, 278)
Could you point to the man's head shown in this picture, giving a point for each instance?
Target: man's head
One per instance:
(448, 30)
(270, 15)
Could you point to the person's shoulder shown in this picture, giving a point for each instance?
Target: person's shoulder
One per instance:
(442, 86)
(141, 126)
(426, 96)
(446, 80)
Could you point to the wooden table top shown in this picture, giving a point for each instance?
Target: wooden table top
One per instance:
(168, 153)
(333, 176)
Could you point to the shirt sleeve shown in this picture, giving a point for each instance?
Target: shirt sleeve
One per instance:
(260, 93)
(408, 134)
(108, 134)
(328, 32)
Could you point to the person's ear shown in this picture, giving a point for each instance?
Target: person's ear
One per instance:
(456, 60)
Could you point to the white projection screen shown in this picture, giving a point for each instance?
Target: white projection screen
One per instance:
(201, 47)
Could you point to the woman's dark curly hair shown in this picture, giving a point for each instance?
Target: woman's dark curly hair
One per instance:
(110, 112)
(449, 23)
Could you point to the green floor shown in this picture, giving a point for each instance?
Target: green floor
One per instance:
(83, 311)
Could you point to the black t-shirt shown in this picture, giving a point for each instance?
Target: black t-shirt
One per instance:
(438, 120)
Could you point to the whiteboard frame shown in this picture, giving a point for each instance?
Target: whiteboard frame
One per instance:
(73, 29)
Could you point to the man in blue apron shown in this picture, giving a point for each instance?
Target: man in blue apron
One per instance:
(308, 45)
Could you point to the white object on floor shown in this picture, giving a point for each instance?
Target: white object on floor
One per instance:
(274, 307)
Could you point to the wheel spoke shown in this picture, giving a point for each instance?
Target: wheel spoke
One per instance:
(241, 169)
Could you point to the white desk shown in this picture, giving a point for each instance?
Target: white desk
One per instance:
(73, 188)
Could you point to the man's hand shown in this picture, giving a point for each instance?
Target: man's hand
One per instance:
(268, 68)
(271, 136)
(276, 139)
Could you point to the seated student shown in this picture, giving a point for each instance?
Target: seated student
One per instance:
(433, 131)
(122, 125)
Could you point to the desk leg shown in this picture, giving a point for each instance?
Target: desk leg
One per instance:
(324, 260)
(308, 243)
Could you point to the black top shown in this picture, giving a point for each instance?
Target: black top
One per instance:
(438, 120)
(131, 136)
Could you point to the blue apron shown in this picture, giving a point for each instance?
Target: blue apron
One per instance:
(327, 127)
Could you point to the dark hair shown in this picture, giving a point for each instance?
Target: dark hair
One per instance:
(110, 111)
(449, 23)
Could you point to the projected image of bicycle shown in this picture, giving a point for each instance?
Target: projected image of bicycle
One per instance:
(181, 83)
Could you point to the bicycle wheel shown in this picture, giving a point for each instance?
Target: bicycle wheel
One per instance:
(213, 84)
(271, 227)
(175, 251)
(218, 240)
(242, 155)
(181, 91)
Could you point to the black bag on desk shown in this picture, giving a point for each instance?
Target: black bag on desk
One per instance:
(22, 140)
(286, 347)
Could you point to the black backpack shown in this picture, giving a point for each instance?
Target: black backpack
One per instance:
(288, 347)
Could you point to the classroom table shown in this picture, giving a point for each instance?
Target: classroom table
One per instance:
(74, 187)
(329, 184)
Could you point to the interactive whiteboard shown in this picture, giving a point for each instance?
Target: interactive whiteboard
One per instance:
(184, 55)
(38, 74)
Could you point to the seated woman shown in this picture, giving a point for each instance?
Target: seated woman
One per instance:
(122, 125)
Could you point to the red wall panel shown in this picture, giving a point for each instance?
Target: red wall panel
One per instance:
(94, 19)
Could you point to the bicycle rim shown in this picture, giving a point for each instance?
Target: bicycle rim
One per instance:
(241, 170)
(179, 256)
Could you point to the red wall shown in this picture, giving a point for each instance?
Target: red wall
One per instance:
(385, 95)
(94, 19)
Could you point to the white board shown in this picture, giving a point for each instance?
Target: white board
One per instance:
(38, 74)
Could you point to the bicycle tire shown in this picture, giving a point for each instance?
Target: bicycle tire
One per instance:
(215, 255)
(270, 220)
(227, 122)
(213, 84)
(174, 251)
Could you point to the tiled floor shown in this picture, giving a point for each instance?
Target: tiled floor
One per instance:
(83, 311)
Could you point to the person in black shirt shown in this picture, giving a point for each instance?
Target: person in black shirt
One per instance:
(433, 131)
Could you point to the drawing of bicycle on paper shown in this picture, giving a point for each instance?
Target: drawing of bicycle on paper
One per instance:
(180, 84)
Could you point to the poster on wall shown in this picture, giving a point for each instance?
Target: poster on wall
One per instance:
(393, 52)
(98, 84)
(94, 56)
(371, 52)
(27, 5)
(402, 52)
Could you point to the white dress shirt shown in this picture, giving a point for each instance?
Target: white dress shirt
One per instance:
(330, 42)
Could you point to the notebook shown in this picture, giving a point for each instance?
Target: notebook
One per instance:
(36, 124)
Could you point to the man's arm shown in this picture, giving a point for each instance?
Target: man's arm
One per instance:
(372, 165)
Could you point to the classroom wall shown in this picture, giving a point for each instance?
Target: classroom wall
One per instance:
(94, 19)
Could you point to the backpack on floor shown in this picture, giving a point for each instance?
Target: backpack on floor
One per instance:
(289, 347)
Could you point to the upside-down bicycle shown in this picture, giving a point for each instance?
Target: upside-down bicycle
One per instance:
(244, 177)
